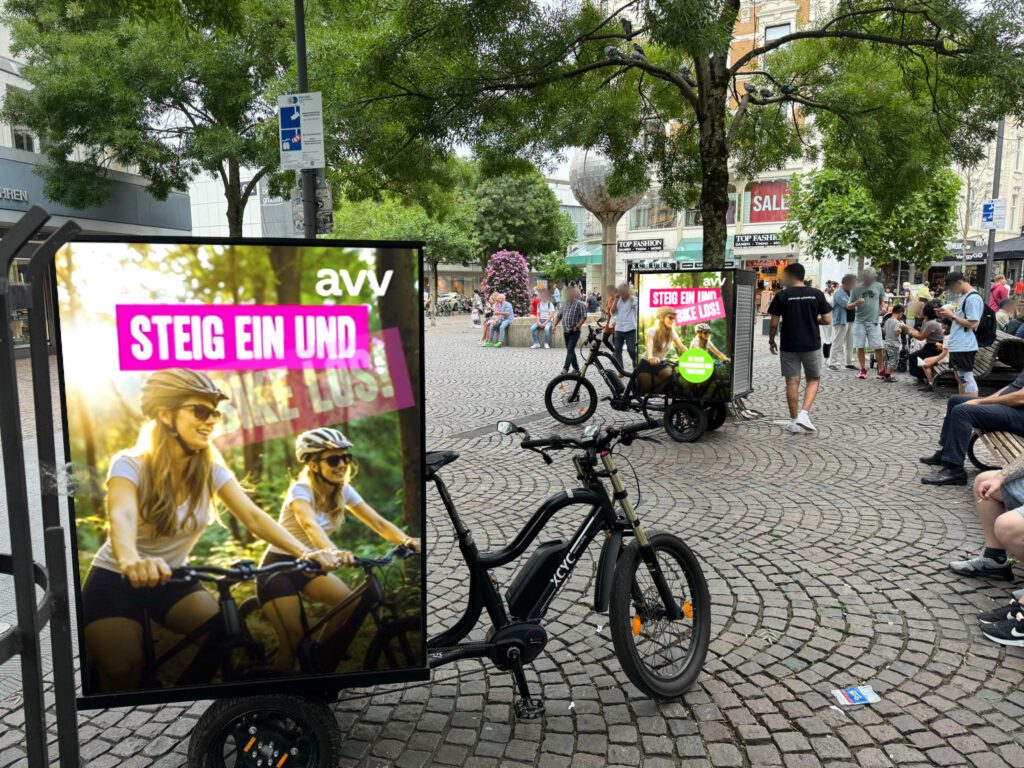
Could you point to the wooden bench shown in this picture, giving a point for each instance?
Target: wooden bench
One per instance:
(1002, 448)
(994, 361)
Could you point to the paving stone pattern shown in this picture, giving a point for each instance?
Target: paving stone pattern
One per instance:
(826, 562)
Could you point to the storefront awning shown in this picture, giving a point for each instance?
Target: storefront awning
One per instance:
(1012, 248)
(588, 254)
(692, 249)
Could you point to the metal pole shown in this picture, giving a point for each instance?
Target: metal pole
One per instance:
(56, 545)
(990, 257)
(308, 181)
(17, 503)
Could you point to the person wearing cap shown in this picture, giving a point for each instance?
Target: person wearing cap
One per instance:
(159, 501)
(703, 341)
(867, 300)
(313, 509)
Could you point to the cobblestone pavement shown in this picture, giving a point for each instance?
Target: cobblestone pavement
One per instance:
(826, 561)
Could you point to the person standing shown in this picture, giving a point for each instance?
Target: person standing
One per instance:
(962, 342)
(1018, 289)
(828, 332)
(802, 311)
(593, 302)
(557, 296)
(572, 316)
(892, 333)
(999, 291)
(867, 299)
(842, 320)
(625, 325)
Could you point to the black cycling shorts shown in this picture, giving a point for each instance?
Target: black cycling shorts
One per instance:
(962, 362)
(108, 595)
(271, 586)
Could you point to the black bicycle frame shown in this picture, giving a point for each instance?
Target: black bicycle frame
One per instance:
(483, 591)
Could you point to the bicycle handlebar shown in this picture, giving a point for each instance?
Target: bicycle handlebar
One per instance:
(557, 442)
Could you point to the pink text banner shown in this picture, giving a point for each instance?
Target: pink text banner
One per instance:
(692, 305)
(241, 337)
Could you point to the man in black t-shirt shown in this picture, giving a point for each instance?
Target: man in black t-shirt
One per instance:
(802, 310)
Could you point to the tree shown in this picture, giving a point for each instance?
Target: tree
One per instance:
(833, 214)
(555, 267)
(508, 273)
(171, 101)
(525, 78)
(518, 210)
(972, 193)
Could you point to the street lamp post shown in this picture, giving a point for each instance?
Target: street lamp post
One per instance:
(308, 181)
(991, 255)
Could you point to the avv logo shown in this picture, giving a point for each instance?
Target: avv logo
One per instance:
(710, 282)
(338, 282)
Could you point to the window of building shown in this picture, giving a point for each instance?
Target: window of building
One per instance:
(1018, 160)
(1012, 213)
(775, 31)
(23, 138)
(651, 213)
(692, 217)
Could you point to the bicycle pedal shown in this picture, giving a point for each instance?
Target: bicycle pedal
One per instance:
(529, 709)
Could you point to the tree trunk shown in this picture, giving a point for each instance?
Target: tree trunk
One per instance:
(714, 160)
(396, 313)
(233, 195)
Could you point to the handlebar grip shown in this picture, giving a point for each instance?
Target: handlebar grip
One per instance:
(545, 443)
(641, 426)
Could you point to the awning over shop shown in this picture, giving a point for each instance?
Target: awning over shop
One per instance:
(588, 254)
(1005, 249)
(692, 249)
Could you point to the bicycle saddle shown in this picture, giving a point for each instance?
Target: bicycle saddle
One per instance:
(437, 459)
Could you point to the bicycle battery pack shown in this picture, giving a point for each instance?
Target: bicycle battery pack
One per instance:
(529, 583)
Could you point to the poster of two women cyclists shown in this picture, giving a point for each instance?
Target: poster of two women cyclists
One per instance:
(244, 426)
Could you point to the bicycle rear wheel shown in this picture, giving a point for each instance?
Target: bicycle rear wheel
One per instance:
(398, 645)
(266, 730)
(660, 657)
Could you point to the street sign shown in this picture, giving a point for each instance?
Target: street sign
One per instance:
(993, 213)
(324, 205)
(301, 131)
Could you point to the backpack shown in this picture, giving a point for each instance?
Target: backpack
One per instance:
(986, 330)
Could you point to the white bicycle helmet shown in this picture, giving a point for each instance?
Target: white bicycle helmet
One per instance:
(310, 444)
(703, 327)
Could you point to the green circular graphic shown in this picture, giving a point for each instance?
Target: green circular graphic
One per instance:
(696, 365)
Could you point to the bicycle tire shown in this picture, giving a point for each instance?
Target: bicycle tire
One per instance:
(976, 460)
(558, 384)
(715, 416)
(685, 422)
(394, 632)
(278, 723)
(624, 622)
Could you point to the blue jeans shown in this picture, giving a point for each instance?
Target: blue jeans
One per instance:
(547, 332)
(571, 337)
(629, 339)
(962, 419)
(500, 329)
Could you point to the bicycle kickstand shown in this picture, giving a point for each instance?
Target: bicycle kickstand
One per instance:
(527, 708)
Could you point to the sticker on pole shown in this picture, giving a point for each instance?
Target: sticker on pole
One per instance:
(859, 694)
(301, 131)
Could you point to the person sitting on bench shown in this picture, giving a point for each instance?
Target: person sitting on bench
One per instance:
(1001, 412)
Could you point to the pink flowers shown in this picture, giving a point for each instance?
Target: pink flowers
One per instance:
(508, 273)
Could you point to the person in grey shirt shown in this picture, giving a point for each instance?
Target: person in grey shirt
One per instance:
(624, 320)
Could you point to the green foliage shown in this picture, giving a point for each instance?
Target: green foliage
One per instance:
(555, 267)
(834, 214)
(519, 212)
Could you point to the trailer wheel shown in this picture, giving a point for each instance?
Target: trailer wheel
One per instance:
(294, 731)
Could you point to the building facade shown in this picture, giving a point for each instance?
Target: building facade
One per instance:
(130, 211)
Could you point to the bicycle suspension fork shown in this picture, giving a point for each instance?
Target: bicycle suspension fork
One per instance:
(672, 609)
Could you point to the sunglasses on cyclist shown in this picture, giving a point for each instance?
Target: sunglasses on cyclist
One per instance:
(336, 459)
(203, 412)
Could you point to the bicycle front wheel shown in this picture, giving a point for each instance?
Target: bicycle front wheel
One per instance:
(570, 398)
(661, 657)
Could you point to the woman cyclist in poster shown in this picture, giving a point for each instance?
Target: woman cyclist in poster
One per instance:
(703, 341)
(159, 501)
(662, 345)
(313, 509)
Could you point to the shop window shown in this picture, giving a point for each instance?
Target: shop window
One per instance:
(651, 213)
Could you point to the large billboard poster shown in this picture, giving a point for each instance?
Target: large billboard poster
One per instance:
(244, 422)
(686, 317)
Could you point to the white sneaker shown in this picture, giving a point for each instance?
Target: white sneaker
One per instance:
(803, 420)
(793, 426)
(535, 346)
(547, 346)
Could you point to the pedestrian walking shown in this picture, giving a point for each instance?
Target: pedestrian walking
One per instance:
(842, 319)
(802, 311)
(963, 342)
(828, 332)
(572, 316)
(867, 300)
(892, 334)
(625, 325)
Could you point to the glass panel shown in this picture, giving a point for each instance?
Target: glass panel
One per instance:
(651, 213)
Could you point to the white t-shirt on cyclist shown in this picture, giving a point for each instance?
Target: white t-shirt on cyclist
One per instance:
(288, 520)
(173, 549)
(669, 351)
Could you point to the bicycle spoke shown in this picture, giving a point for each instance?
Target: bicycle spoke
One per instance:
(662, 644)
